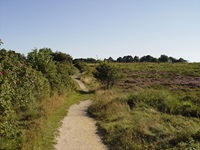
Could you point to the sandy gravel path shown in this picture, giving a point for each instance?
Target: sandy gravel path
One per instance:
(78, 130)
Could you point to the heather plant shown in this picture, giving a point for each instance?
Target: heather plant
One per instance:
(154, 106)
(144, 125)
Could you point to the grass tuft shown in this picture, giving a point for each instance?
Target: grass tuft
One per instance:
(148, 124)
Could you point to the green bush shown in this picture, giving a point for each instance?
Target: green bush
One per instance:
(107, 73)
(21, 89)
(81, 65)
(55, 70)
(24, 85)
(43, 61)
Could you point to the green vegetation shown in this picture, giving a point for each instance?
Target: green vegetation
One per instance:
(129, 58)
(26, 85)
(41, 135)
(107, 73)
(154, 106)
(81, 65)
(56, 69)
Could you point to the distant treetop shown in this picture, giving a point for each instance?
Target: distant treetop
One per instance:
(147, 58)
(129, 58)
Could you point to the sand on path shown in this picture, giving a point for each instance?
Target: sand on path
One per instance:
(78, 130)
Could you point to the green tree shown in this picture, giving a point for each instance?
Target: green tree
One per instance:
(119, 59)
(163, 58)
(62, 57)
(182, 60)
(143, 59)
(107, 73)
(136, 59)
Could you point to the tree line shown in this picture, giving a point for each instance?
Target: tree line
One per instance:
(148, 58)
(129, 58)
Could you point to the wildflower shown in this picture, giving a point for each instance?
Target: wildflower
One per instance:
(1, 73)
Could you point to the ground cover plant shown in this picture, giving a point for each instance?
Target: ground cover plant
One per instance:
(154, 106)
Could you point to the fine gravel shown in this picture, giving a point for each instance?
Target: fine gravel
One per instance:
(78, 130)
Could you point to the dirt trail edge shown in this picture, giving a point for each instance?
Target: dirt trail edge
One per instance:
(78, 130)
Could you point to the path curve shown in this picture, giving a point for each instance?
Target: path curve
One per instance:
(78, 130)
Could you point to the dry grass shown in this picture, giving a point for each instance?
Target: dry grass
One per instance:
(34, 133)
(90, 82)
(41, 133)
(143, 127)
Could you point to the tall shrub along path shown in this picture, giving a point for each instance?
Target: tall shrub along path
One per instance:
(78, 130)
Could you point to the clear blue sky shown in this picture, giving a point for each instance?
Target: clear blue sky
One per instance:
(103, 28)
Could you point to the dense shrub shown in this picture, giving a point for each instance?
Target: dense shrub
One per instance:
(43, 61)
(81, 65)
(65, 83)
(107, 73)
(66, 61)
(24, 85)
(56, 70)
(21, 88)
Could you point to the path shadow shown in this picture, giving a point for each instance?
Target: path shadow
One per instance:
(86, 92)
(99, 131)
